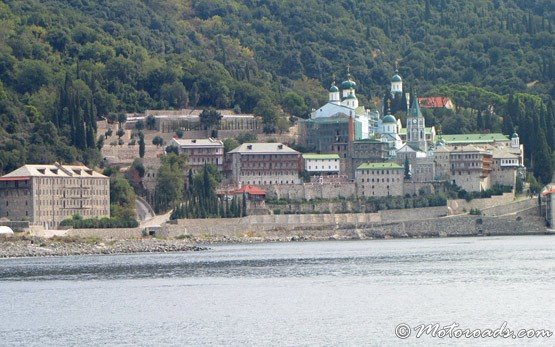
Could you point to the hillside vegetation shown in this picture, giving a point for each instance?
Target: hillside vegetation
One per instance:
(64, 63)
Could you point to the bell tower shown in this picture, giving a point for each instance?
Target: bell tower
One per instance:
(416, 127)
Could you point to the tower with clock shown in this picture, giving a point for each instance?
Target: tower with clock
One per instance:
(416, 127)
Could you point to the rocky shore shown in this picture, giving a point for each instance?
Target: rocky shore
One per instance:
(27, 246)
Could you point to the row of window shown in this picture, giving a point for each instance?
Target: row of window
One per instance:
(271, 173)
(381, 172)
(368, 180)
(269, 165)
(74, 181)
(323, 167)
(263, 182)
(72, 192)
(269, 156)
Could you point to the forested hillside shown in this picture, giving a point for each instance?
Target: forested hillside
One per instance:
(64, 63)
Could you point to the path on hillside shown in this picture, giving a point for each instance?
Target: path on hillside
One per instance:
(157, 220)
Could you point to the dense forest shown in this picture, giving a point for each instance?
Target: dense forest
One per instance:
(65, 63)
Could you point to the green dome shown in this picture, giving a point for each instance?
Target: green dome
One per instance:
(349, 84)
(334, 89)
(514, 136)
(389, 119)
(350, 96)
(396, 78)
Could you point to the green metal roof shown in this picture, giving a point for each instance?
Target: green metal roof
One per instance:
(379, 166)
(334, 89)
(514, 136)
(396, 78)
(348, 84)
(320, 156)
(414, 110)
(351, 96)
(474, 138)
(389, 119)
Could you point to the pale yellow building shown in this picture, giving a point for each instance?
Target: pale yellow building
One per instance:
(379, 179)
(47, 194)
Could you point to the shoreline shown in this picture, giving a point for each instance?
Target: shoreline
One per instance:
(24, 246)
(32, 246)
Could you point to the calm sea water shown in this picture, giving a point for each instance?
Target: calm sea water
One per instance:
(312, 293)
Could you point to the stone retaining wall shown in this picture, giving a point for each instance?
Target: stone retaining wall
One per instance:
(309, 191)
(510, 208)
(458, 206)
(412, 214)
(361, 225)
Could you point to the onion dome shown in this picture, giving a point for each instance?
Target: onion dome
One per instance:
(334, 89)
(389, 119)
(514, 136)
(348, 84)
(350, 96)
(396, 78)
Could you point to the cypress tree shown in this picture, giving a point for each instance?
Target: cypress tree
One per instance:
(244, 208)
(141, 144)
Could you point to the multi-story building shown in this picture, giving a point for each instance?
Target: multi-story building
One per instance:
(379, 179)
(329, 134)
(471, 167)
(422, 167)
(201, 152)
(365, 151)
(505, 165)
(47, 194)
(265, 164)
(495, 139)
(321, 164)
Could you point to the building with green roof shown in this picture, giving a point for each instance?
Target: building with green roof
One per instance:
(380, 179)
(470, 139)
(327, 163)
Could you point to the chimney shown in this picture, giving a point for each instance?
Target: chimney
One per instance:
(194, 141)
(351, 130)
(249, 146)
(280, 146)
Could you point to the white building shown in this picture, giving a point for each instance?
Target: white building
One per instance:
(344, 101)
(321, 163)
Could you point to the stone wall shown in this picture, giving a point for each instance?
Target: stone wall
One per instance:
(309, 191)
(412, 214)
(458, 206)
(511, 207)
(116, 233)
(357, 226)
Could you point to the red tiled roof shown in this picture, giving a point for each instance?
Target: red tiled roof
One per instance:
(251, 190)
(434, 102)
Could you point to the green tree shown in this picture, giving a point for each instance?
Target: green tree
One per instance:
(122, 197)
(170, 182)
(141, 145)
(158, 141)
(210, 118)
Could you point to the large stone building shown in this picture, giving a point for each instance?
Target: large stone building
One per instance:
(47, 194)
(329, 134)
(201, 152)
(365, 151)
(379, 179)
(265, 164)
(470, 168)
